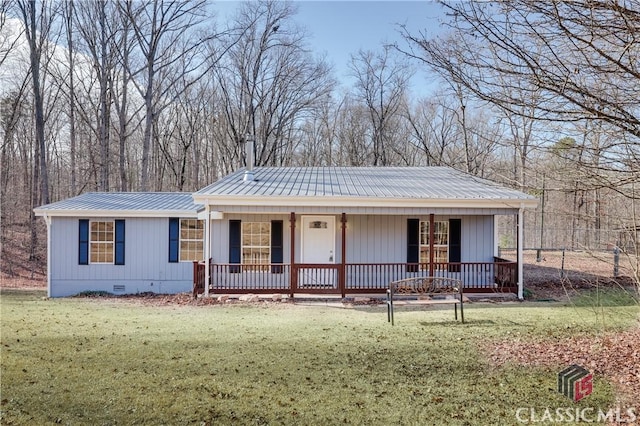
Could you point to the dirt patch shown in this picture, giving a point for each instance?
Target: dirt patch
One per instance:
(559, 276)
(22, 282)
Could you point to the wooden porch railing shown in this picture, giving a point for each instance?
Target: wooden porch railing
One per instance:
(500, 275)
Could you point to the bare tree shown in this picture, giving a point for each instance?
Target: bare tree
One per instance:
(381, 84)
(580, 57)
(352, 129)
(267, 82)
(68, 13)
(38, 20)
(120, 87)
(171, 44)
(96, 25)
(8, 39)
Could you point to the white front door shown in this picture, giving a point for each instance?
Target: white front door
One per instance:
(318, 246)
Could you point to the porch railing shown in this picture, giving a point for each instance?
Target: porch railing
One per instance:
(500, 275)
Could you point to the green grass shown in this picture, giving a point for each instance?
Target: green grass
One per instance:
(606, 297)
(104, 361)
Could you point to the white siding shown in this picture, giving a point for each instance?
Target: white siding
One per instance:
(370, 238)
(477, 239)
(220, 234)
(146, 268)
(384, 238)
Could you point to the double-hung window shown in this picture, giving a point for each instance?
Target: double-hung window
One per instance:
(440, 242)
(186, 240)
(101, 242)
(191, 240)
(256, 244)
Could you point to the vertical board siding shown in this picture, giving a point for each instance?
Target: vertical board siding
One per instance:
(376, 239)
(383, 239)
(146, 267)
(370, 239)
(477, 239)
(220, 234)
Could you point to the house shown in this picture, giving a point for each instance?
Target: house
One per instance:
(121, 242)
(328, 230)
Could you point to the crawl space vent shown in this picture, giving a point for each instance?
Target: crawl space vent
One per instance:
(118, 288)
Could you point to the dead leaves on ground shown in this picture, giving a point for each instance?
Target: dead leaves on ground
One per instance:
(613, 355)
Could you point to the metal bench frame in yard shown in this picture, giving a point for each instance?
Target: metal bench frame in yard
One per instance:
(426, 291)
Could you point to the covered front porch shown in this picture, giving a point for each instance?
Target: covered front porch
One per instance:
(350, 230)
(343, 277)
(348, 278)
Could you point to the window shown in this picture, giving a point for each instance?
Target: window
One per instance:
(191, 240)
(440, 242)
(256, 243)
(101, 242)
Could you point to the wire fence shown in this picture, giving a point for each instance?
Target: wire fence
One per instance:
(570, 239)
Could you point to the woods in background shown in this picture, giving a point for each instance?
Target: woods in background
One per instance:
(145, 95)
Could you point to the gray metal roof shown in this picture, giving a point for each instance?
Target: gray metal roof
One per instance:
(434, 183)
(124, 204)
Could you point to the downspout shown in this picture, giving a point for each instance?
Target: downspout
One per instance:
(520, 252)
(47, 220)
(207, 249)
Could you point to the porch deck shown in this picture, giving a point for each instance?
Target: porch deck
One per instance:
(348, 278)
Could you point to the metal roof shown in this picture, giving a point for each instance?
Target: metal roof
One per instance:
(123, 204)
(395, 187)
(385, 183)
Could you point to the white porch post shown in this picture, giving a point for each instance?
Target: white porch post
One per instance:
(520, 252)
(47, 220)
(496, 237)
(207, 249)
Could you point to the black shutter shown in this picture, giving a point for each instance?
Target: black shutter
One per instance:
(83, 242)
(174, 239)
(413, 245)
(276, 246)
(455, 234)
(119, 243)
(235, 244)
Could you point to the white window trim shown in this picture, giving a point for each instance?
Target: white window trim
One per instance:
(180, 239)
(242, 246)
(435, 246)
(113, 242)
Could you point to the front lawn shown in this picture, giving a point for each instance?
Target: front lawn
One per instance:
(110, 361)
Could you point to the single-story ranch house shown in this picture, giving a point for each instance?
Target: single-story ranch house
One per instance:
(290, 230)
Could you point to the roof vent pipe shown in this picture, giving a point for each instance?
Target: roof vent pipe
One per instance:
(248, 173)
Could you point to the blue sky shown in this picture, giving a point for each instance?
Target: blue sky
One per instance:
(341, 28)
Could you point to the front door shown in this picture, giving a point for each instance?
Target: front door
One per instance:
(318, 246)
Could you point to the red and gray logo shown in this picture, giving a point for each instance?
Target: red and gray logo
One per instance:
(575, 382)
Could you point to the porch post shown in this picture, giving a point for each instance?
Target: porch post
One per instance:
(207, 250)
(432, 234)
(520, 239)
(47, 220)
(342, 276)
(293, 271)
